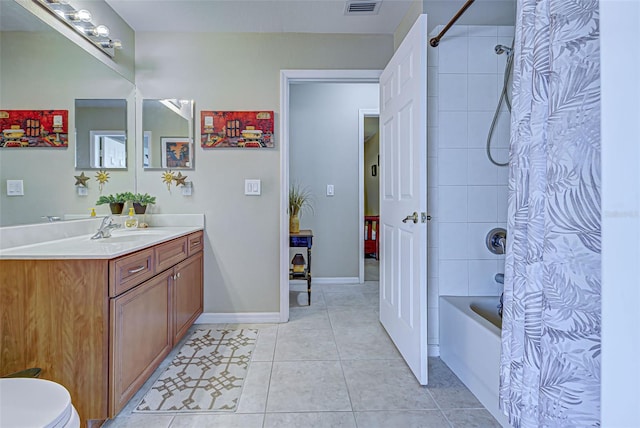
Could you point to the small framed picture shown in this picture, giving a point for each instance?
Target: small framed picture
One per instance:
(176, 152)
(374, 170)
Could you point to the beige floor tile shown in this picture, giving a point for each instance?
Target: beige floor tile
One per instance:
(218, 420)
(310, 420)
(404, 418)
(307, 386)
(297, 345)
(384, 385)
(365, 343)
(137, 420)
(471, 418)
(255, 389)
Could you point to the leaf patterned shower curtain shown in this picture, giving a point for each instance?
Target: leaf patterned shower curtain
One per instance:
(550, 365)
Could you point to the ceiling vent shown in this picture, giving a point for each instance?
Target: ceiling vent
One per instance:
(362, 7)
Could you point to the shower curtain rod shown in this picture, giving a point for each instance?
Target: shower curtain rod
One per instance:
(436, 40)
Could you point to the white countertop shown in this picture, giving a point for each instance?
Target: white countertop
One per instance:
(121, 242)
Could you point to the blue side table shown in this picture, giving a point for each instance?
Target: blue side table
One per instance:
(304, 238)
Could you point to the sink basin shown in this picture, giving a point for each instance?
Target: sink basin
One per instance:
(131, 235)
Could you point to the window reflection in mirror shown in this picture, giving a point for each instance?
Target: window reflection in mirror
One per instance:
(101, 129)
(167, 133)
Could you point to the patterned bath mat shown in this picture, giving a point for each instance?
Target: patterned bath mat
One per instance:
(206, 375)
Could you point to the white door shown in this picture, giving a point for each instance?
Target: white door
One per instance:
(403, 192)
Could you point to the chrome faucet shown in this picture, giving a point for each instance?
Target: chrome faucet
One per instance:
(51, 218)
(104, 231)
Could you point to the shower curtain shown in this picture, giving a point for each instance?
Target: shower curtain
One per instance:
(550, 364)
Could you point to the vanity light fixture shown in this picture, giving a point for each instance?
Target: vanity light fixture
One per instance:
(82, 15)
(81, 21)
(100, 31)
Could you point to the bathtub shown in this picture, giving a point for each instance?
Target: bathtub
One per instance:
(470, 346)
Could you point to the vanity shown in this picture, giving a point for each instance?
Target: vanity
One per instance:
(98, 316)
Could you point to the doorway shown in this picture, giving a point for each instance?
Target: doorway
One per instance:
(369, 137)
(288, 78)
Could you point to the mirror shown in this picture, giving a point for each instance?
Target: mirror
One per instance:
(41, 69)
(167, 133)
(101, 133)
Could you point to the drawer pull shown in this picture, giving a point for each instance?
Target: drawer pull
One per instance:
(138, 269)
(194, 243)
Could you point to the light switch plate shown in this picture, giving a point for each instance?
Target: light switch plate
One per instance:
(330, 190)
(15, 188)
(252, 187)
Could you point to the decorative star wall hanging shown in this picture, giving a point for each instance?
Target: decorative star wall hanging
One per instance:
(180, 179)
(81, 180)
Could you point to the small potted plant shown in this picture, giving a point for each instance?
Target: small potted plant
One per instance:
(299, 199)
(116, 202)
(140, 202)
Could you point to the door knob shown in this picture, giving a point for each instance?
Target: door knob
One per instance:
(413, 217)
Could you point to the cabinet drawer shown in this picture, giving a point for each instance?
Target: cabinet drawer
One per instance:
(170, 253)
(128, 271)
(196, 243)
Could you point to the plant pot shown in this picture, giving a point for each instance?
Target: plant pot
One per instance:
(294, 224)
(139, 209)
(117, 207)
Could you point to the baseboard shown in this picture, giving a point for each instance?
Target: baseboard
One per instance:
(239, 318)
(336, 280)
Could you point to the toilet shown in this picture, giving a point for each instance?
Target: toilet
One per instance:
(35, 403)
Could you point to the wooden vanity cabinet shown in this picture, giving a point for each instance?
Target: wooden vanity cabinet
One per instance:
(187, 299)
(150, 318)
(140, 337)
(99, 327)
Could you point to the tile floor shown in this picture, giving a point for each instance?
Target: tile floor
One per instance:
(331, 365)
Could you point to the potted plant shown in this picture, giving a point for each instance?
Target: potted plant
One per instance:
(299, 199)
(116, 202)
(140, 202)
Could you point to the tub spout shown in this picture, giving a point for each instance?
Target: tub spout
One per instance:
(499, 278)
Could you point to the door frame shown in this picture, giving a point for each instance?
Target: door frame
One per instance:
(288, 77)
(362, 114)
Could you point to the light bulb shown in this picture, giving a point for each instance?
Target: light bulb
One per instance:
(100, 31)
(81, 15)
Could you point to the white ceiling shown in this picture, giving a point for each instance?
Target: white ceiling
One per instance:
(304, 16)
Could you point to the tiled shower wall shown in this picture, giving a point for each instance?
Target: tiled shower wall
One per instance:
(467, 194)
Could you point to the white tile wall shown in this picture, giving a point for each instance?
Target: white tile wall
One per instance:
(452, 134)
(452, 203)
(468, 194)
(452, 92)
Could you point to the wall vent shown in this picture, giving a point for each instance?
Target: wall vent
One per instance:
(362, 7)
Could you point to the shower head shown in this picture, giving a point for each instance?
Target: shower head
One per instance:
(500, 49)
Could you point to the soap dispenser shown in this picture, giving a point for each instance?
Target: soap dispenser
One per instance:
(132, 221)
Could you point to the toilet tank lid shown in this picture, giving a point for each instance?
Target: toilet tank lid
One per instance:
(34, 403)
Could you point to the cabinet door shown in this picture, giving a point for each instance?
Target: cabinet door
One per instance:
(140, 337)
(187, 295)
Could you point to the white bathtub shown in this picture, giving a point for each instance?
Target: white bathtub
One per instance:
(470, 346)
